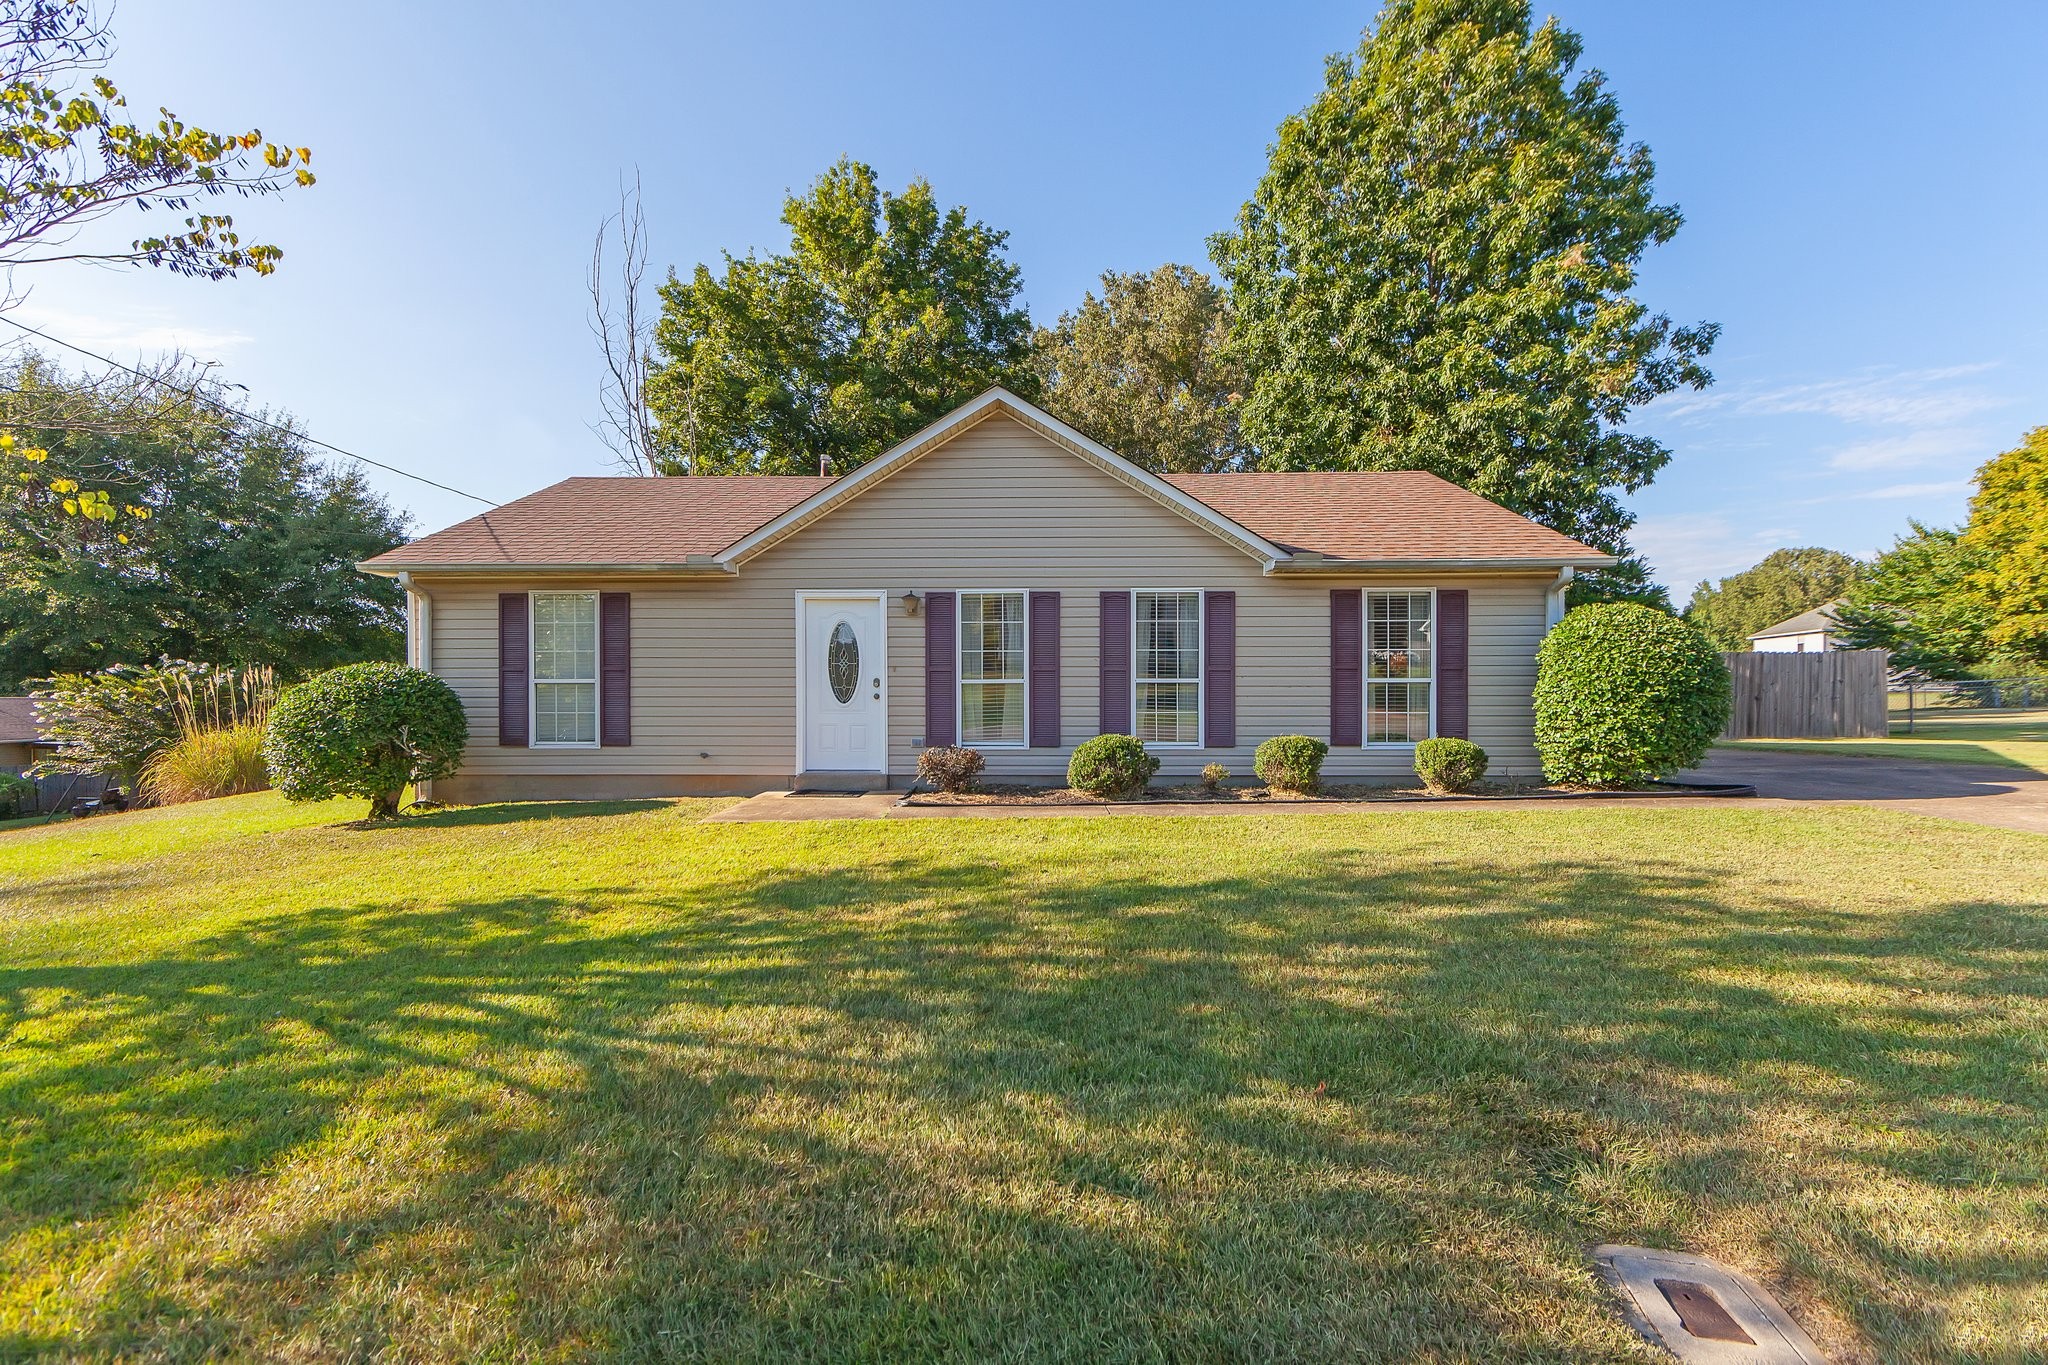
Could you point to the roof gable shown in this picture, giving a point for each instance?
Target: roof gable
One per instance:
(965, 418)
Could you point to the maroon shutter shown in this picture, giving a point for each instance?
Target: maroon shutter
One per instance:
(1045, 670)
(513, 656)
(1113, 706)
(941, 657)
(1219, 670)
(1347, 667)
(615, 669)
(1453, 656)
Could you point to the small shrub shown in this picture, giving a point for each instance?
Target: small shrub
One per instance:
(1111, 765)
(204, 764)
(1449, 765)
(17, 796)
(1291, 763)
(1625, 694)
(950, 768)
(1214, 775)
(366, 730)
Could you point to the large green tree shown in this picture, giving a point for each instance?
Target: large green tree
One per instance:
(2009, 530)
(1437, 271)
(1919, 601)
(1142, 368)
(885, 313)
(248, 558)
(1784, 584)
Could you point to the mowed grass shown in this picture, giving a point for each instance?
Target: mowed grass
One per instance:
(546, 1083)
(2001, 739)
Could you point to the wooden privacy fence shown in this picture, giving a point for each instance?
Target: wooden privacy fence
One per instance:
(1826, 694)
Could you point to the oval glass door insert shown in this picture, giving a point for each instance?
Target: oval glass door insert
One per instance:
(842, 661)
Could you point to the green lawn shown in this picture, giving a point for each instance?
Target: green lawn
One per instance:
(2003, 739)
(561, 1082)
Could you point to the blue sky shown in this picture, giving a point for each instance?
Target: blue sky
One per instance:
(1862, 184)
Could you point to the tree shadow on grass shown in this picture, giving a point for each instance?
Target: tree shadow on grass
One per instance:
(512, 813)
(922, 1107)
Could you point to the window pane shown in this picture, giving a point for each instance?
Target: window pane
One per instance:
(992, 713)
(1398, 635)
(564, 713)
(1169, 636)
(1396, 713)
(992, 635)
(1169, 713)
(564, 636)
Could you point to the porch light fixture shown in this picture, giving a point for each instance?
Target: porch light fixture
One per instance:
(912, 603)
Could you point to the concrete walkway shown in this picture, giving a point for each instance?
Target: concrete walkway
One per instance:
(2010, 798)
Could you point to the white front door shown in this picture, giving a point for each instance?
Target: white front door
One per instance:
(841, 704)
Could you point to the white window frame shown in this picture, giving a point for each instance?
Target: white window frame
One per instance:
(1200, 680)
(1366, 679)
(534, 680)
(960, 678)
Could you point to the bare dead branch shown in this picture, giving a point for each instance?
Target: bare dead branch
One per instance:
(624, 335)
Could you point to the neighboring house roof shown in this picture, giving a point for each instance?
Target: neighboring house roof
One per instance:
(1819, 621)
(18, 723)
(1290, 521)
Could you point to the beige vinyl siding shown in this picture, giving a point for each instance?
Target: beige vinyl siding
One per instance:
(998, 507)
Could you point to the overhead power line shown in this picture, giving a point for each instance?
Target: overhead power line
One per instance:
(245, 416)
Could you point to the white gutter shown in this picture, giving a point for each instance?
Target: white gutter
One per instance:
(688, 569)
(1308, 562)
(1553, 597)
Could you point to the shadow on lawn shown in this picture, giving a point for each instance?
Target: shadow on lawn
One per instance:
(925, 1107)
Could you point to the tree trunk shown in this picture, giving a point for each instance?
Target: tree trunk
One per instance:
(384, 805)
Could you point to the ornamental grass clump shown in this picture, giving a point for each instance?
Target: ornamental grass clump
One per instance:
(204, 764)
(1111, 766)
(1291, 763)
(369, 730)
(950, 768)
(1449, 766)
(1626, 694)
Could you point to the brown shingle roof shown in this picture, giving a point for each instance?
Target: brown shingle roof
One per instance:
(18, 723)
(652, 521)
(1403, 515)
(599, 520)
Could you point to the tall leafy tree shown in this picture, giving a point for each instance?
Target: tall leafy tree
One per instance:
(2009, 529)
(248, 559)
(1437, 271)
(1784, 584)
(1142, 368)
(885, 313)
(1919, 601)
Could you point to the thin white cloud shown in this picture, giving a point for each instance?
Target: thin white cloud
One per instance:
(127, 335)
(1688, 547)
(1917, 490)
(1893, 419)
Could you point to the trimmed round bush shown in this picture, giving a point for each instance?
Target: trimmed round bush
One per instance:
(1110, 765)
(1291, 763)
(367, 730)
(950, 768)
(1626, 694)
(1449, 765)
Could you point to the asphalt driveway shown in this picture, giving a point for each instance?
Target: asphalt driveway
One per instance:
(2012, 798)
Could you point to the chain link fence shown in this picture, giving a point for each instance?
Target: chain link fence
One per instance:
(1909, 698)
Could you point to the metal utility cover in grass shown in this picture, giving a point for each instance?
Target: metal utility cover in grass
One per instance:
(1701, 1311)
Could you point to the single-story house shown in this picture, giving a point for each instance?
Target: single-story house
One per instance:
(999, 581)
(22, 738)
(1809, 632)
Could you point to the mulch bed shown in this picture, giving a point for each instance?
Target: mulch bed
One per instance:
(1017, 794)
